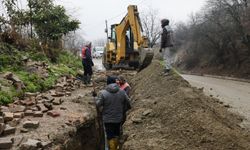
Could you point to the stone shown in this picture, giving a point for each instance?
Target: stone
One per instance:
(34, 109)
(68, 93)
(18, 115)
(2, 127)
(57, 94)
(5, 143)
(4, 109)
(49, 97)
(9, 130)
(28, 113)
(147, 112)
(59, 88)
(63, 108)
(23, 130)
(28, 102)
(137, 120)
(28, 94)
(1, 119)
(42, 108)
(46, 145)
(31, 124)
(38, 114)
(17, 108)
(57, 101)
(48, 105)
(14, 122)
(53, 113)
(8, 116)
(31, 145)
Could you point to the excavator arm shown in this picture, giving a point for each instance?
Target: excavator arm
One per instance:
(131, 20)
(132, 51)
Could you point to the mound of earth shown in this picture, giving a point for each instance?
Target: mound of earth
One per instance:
(169, 114)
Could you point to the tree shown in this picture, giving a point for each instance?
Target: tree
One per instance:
(217, 36)
(51, 23)
(151, 26)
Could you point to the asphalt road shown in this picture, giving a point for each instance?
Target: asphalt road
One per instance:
(234, 93)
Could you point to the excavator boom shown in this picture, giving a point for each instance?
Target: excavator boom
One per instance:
(127, 46)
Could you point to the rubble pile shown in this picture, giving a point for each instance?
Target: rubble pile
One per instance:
(20, 116)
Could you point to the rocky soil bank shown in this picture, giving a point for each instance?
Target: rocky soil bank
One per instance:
(168, 114)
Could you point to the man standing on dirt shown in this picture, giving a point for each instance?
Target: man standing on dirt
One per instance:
(87, 63)
(113, 102)
(166, 43)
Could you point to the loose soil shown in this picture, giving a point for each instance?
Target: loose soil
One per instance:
(168, 114)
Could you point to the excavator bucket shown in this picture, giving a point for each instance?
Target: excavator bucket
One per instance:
(146, 56)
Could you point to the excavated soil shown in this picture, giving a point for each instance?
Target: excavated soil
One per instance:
(168, 114)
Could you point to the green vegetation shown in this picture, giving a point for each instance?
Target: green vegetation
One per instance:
(12, 62)
(5, 98)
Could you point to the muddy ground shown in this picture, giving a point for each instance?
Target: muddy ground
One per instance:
(169, 114)
(67, 119)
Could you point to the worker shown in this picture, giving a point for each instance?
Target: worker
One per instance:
(166, 43)
(123, 84)
(87, 63)
(111, 79)
(113, 102)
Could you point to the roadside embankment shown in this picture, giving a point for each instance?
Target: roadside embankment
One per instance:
(169, 114)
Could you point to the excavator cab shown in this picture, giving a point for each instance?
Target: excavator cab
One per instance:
(126, 47)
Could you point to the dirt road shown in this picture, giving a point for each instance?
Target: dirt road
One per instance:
(98, 64)
(234, 93)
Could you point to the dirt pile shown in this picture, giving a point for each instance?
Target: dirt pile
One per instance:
(169, 114)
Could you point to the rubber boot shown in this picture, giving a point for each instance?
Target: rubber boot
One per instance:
(113, 144)
(85, 79)
(89, 79)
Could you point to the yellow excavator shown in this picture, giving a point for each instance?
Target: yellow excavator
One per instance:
(127, 47)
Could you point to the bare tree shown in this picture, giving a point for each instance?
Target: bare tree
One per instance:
(99, 42)
(151, 25)
(217, 36)
(73, 42)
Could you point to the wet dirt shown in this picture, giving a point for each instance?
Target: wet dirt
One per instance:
(168, 114)
(236, 94)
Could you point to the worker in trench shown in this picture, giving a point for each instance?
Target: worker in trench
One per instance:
(87, 63)
(166, 43)
(121, 81)
(113, 104)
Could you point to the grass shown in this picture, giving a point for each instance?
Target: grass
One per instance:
(66, 64)
(5, 98)
(174, 71)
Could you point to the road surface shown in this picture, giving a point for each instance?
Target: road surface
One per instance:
(234, 93)
(98, 64)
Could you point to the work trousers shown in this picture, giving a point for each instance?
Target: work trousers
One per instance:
(167, 58)
(112, 130)
(87, 68)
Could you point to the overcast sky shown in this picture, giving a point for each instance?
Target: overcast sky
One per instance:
(92, 13)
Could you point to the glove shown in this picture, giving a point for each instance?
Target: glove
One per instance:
(160, 50)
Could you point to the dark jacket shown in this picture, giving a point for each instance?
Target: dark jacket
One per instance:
(114, 103)
(166, 40)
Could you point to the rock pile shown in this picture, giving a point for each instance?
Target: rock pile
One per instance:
(33, 105)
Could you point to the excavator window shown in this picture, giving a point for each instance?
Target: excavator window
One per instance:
(129, 41)
(113, 34)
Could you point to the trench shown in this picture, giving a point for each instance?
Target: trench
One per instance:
(87, 137)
